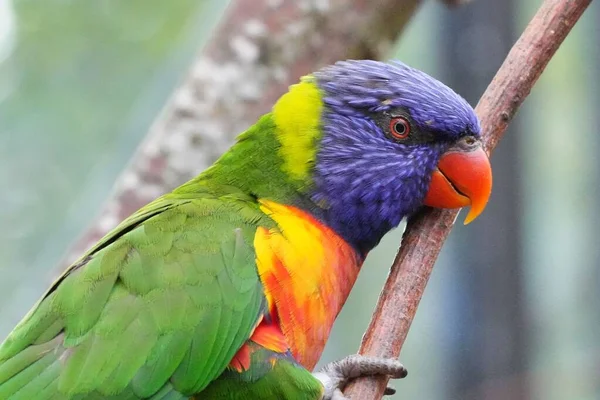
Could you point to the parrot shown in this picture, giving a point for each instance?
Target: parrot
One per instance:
(227, 288)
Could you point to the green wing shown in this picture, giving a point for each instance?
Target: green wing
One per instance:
(156, 309)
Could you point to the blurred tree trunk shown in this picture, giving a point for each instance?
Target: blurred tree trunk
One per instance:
(259, 49)
(477, 39)
(594, 281)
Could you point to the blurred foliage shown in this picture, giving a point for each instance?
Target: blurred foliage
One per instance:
(82, 85)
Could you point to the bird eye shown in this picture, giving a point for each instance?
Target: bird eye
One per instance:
(399, 128)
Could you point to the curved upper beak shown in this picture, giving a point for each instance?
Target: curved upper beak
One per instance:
(463, 177)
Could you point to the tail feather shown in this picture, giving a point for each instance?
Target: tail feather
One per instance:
(34, 374)
(27, 373)
(44, 385)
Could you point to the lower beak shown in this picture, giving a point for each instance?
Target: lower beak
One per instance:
(463, 177)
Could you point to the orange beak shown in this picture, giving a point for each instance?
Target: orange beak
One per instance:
(463, 177)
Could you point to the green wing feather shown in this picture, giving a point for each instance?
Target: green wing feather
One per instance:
(156, 309)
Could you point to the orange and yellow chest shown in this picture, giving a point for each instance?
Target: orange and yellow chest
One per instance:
(307, 271)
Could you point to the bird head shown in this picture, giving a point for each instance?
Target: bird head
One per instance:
(384, 140)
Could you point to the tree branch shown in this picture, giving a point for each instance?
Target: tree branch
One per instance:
(428, 229)
(258, 50)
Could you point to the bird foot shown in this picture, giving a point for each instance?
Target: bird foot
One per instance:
(334, 376)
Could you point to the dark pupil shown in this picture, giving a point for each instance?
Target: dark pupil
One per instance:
(400, 128)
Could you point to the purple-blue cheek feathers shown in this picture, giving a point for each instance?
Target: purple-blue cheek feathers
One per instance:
(365, 183)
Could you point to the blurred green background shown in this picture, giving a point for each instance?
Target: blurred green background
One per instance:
(512, 309)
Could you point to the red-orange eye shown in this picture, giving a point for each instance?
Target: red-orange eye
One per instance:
(399, 128)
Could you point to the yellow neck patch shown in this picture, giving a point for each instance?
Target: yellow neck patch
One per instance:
(297, 116)
(307, 272)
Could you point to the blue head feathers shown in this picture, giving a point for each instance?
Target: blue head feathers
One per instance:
(376, 86)
(365, 182)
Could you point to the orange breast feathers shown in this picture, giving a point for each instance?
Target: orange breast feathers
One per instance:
(307, 271)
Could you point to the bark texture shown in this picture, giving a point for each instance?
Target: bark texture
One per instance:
(259, 48)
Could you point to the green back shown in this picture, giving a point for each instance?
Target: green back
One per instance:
(156, 309)
(255, 166)
(160, 305)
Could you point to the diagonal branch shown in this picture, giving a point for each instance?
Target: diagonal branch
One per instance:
(428, 229)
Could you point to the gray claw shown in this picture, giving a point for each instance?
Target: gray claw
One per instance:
(389, 391)
(336, 375)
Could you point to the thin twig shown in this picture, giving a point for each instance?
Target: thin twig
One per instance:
(428, 229)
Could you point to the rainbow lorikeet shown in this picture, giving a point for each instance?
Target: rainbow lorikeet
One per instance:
(227, 287)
